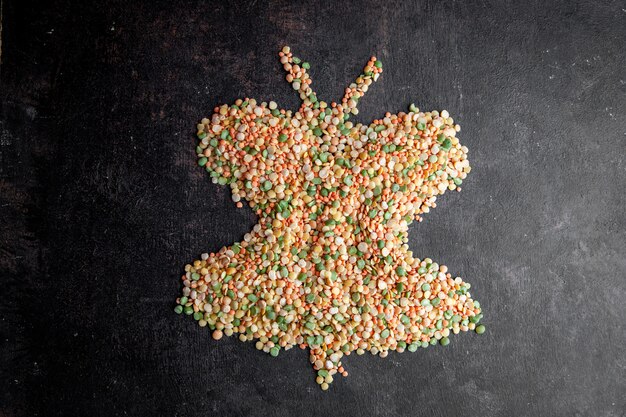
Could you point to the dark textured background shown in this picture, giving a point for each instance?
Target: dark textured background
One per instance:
(102, 203)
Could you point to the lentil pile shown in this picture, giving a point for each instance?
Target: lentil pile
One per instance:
(328, 267)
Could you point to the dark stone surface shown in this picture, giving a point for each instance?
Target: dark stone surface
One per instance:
(101, 203)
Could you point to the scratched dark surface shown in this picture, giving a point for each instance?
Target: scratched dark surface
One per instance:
(102, 203)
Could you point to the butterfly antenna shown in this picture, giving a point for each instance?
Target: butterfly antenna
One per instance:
(359, 87)
(299, 78)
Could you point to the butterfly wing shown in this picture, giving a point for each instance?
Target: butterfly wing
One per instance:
(417, 156)
(253, 148)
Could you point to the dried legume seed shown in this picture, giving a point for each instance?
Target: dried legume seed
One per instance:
(327, 266)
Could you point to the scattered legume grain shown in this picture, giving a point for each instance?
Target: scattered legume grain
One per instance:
(328, 267)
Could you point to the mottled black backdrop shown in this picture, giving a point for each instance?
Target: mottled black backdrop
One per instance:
(102, 204)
